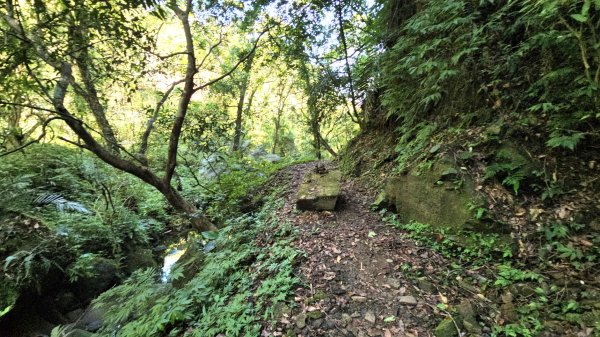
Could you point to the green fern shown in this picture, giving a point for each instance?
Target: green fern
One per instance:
(61, 203)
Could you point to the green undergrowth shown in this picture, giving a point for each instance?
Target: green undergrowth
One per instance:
(234, 289)
(533, 301)
(466, 246)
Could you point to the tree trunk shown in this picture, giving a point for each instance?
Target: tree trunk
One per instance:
(327, 147)
(280, 106)
(348, 69)
(240, 106)
(199, 221)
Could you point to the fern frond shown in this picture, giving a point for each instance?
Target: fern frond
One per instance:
(61, 203)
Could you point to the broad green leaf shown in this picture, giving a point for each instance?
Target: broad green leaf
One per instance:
(210, 235)
(579, 17)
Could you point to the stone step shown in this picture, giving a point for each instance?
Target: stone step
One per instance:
(319, 192)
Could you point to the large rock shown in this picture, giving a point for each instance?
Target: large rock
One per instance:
(139, 258)
(104, 276)
(319, 192)
(436, 197)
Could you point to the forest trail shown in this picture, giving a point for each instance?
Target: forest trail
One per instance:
(354, 276)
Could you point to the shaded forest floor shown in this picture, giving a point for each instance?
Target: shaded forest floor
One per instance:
(354, 274)
(361, 276)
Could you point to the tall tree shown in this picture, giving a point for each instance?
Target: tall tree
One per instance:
(69, 48)
(243, 86)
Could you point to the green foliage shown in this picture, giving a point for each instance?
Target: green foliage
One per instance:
(411, 146)
(527, 327)
(468, 246)
(60, 208)
(563, 244)
(507, 275)
(236, 286)
(462, 62)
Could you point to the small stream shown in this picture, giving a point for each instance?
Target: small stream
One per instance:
(173, 256)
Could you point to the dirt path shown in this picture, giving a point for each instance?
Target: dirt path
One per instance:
(355, 275)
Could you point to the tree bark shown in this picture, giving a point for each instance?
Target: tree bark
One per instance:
(240, 106)
(186, 96)
(326, 145)
(347, 62)
(280, 106)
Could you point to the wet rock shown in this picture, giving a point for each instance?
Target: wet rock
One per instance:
(301, 320)
(370, 317)
(407, 300)
(446, 329)
(319, 192)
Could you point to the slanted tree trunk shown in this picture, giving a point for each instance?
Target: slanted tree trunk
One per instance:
(327, 147)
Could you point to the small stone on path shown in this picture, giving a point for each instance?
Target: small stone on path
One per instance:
(393, 283)
(407, 300)
(301, 320)
(360, 299)
(370, 317)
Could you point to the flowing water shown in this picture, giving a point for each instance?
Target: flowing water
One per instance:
(172, 257)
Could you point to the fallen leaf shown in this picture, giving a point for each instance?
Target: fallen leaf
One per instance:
(443, 298)
(329, 275)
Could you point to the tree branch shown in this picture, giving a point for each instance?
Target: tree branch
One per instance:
(33, 141)
(234, 68)
(144, 140)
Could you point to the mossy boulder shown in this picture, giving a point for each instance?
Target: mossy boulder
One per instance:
(104, 276)
(319, 192)
(446, 328)
(139, 258)
(432, 197)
